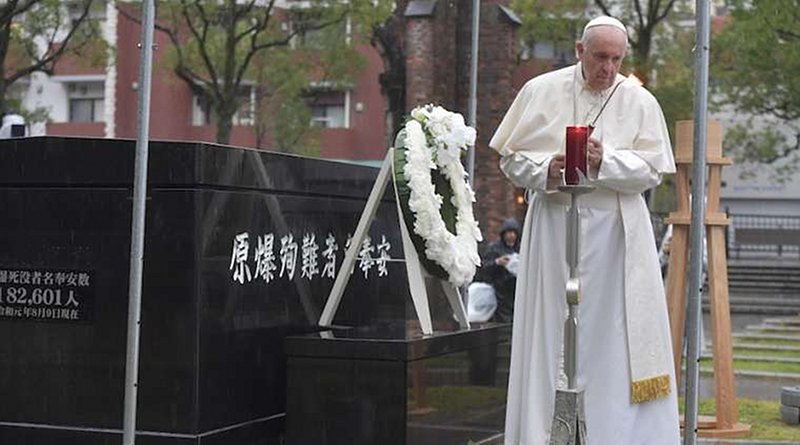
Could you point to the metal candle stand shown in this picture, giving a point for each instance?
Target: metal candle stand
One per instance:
(569, 422)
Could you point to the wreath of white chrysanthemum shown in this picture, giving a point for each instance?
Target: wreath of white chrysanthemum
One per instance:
(435, 139)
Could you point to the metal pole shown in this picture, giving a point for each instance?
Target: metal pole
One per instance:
(569, 418)
(137, 229)
(473, 84)
(573, 293)
(472, 113)
(693, 307)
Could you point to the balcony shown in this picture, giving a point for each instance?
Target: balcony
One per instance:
(85, 129)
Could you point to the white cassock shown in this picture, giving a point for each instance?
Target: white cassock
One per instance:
(624, 352)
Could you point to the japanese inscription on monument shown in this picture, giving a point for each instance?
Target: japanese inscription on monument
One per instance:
(46, 294)
(314, 259)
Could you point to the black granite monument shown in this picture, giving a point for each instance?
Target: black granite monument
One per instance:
(241, 250)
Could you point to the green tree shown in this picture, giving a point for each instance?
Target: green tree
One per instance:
(387, 38)
(280, 109)
(220, 47)
(645, 17)
(35, 34)
(561, 22)
(754, 69)
(323, 62)
(673, 86)
(557, 23)
(673, 83)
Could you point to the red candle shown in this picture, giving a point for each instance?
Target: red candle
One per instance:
(577, 135)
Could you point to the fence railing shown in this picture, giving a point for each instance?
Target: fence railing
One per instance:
(764, 235)
(751, 235)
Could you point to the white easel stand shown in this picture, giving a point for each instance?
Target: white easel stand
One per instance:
(416, 273)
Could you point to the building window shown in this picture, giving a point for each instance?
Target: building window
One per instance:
(86, 110)
(562, 51)
(328, 109)
(75, 9)
(202, 114)
(86, 101)
(201, 111)
(304, 22)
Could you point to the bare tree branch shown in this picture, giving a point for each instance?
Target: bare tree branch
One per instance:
(663, 15)
(46, 62)
(259, 25)
(13, 9)
(201, 38)
(639, 15)
(216, 44)
(603, 7)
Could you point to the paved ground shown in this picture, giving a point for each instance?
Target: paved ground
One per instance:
(748, 388)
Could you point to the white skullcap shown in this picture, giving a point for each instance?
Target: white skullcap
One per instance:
(605, 20)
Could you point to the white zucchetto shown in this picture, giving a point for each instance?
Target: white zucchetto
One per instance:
(605, 20)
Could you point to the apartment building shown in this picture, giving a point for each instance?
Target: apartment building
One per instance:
(101, 101)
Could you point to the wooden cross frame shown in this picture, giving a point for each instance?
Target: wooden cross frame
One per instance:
(415, 272)
(725, 424)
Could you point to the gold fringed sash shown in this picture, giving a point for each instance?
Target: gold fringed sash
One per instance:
(650, 389)
(649, 348)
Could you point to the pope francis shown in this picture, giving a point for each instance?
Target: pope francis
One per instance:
(624, 353)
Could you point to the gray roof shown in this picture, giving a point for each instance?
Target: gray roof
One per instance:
(420, 8)
(510, 15)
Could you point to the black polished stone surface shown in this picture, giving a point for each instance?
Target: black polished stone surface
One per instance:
(377, 386)
(212, 365)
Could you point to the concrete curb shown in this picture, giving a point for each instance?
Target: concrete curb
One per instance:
(740, 442)
(498, 440)
(756, 374)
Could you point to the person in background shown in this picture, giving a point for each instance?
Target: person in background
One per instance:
(663, 259)
(663, 251)
(12, 125)
(499, 264)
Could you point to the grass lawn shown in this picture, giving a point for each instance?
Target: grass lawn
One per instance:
(747, 365)
(766, 353)
(764, 418)
(768, 341)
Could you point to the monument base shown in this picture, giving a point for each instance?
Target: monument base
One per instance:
(260, 432)
(381, 386)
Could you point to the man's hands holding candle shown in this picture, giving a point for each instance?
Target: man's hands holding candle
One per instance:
(594, 154)
(557, 163)
(594, 157)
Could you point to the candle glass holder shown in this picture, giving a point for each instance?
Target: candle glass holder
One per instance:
(577, 138)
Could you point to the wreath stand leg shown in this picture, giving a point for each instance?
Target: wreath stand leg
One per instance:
(415, 272)
(456, 303)
(416, 276)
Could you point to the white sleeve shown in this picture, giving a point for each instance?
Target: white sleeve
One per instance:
(625, 172)
(526, 173)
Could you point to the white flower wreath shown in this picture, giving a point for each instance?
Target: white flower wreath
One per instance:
(435, 139)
